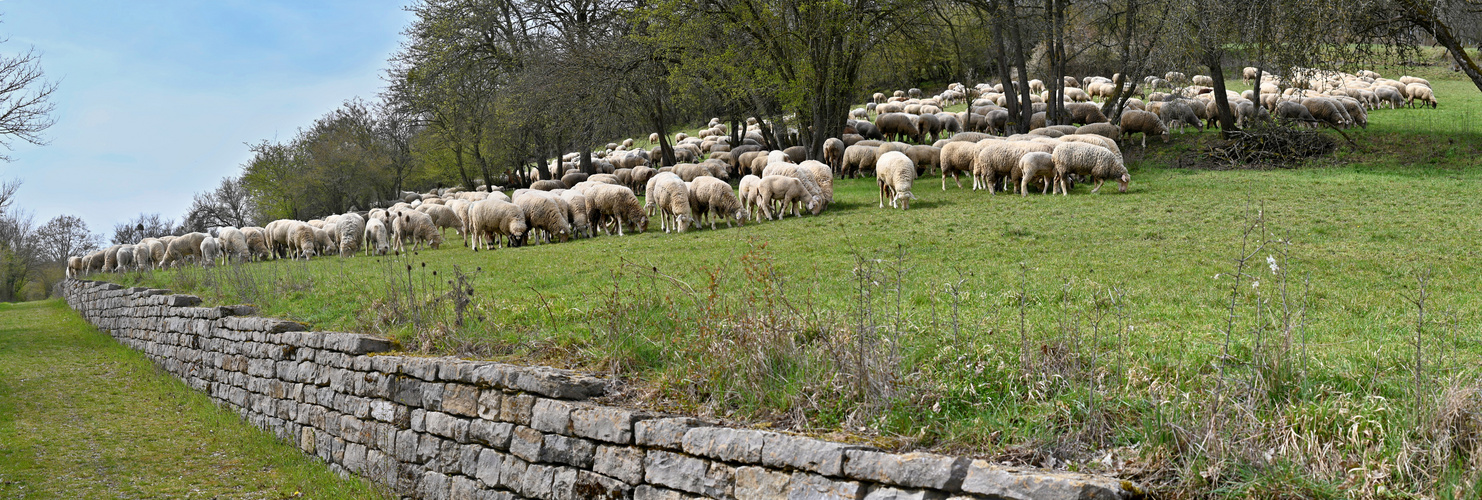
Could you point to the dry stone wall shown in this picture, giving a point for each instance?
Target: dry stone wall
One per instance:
(445, 428)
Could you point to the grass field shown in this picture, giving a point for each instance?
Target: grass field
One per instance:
(82, 416)
(1110, 332)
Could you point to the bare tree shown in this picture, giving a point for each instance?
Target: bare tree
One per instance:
(25, 100)
(143, 226)
(65, 236)
(227, 205)
(17, 244)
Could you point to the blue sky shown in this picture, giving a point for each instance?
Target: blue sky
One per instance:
(157, 98)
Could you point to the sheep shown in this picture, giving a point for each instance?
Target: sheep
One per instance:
(1106, 130)
(858, 159)
(1084, 113)
(925, 157)
(957, 158)
(210, 251)
(110, 258)
(787, 192)
(580, 213)
(233, 243)
(322, 243)
(257, 243)
(93, 262)
(1289, 111)
(125, 257)
(547, 213)
(74, 266)
(1326, 110)
(1090, 162)
(415, 226)
(1179, 114)
(640, 177)
(1093, 139)
(1388, 95)
(900, 125)
(822, 176)
(1036, 166)
(187, 246)
(156, 248)
(1203, 80)
(1357, 115)
(672, 198)
(490, 219)
(571, 178)
(443, 217)
(143, 256)
(619, 204)
(894, 174)
(1143, 122)
(815, 192)
(351, 228)
(833, 153)
(689, 171)
(547, 185)
(711, 198)
(376, 239)
(1420, 92)
(1000, 160)
(747, 192)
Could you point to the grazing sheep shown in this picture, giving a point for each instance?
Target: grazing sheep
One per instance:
(547, 213)
(125, 257)
(901, 125)
(1388, 95)
(143, 256)
(1203, 80)
(233, 243)
(490, 219)
(1089, 162)
(616, 205)
(894, 174)
(210, 251)
(581, 214)
(999, 160)
(377, 240)
(1179, 114)
(157, 248)
(716, 201)
(1145, 123)
(1289, 111)
(74, 266)
(1421, 92)
(957, 158)
(747, 192)
(443, 217)
(1326, 110)
(188, 246)
(1083, 113)
(547, 185)
(815, 192)
(1106, 130)
(415, 226)
(672, 199)
(925, 157)
(1036, 166)
(571, 178)
(257, 243)
(110, 258)
(859, 159)
(783, 191)
(833, 153)
(351, 227)
(822, 176)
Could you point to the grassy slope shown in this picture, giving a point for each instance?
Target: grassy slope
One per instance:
(1361, 225)
(82, 416)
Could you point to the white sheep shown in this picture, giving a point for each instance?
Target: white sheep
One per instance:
(210, 251)
(616, 205)
(415, 226)
(1036, 166)
(233, 243)
(785, 192)
(894, 173)
(490, 219)
(546, 212)
(377, 239)
(351, 227)
(1088, 161)
(672, 198)
(717, 201)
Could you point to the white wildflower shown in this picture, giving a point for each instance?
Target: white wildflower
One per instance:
(1271, 261)
(1255, 284)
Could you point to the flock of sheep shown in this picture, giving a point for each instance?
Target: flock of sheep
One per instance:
(697, 191)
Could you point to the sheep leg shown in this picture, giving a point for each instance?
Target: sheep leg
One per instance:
(1099, 182)
(619, 218)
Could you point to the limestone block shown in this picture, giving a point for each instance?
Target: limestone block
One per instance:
(912, 470)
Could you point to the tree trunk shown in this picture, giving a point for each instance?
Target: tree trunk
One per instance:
(1026, 105)
(1004, 76)
(586, 162)
(1217, 72)
(1427, 19)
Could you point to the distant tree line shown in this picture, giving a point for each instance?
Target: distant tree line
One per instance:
(490, 91)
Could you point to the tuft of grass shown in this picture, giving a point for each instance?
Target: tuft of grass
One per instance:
(82, 416)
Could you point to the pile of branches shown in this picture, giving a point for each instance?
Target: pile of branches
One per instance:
(1270, 146)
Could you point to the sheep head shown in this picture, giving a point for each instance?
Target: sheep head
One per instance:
(1123, 181)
